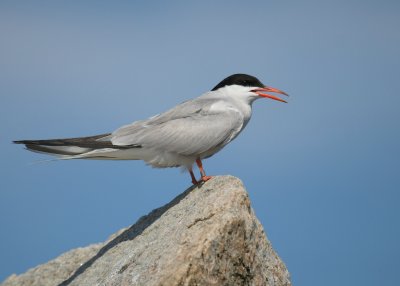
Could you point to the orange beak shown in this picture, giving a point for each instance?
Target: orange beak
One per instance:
(270, 89)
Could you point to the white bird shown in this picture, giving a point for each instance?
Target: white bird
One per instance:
(189, 132)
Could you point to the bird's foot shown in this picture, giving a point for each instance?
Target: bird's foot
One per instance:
(205, 178)
(202, 180)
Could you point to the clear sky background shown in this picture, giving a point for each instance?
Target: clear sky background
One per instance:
(322, 171)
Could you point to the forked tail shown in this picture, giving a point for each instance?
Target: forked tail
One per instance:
(70, 148)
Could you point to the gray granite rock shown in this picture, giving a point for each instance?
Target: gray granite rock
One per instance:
(208, 235)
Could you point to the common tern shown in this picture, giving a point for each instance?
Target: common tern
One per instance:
(189, 132)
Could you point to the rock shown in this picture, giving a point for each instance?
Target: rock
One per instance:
(208, 235)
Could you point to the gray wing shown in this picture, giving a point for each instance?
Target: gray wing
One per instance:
(190, 128)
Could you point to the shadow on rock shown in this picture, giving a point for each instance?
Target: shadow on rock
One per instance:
(129, 234)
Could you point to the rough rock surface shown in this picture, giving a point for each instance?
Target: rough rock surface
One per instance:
(208, 235)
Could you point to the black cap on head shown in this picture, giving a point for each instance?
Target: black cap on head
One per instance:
(239, 79)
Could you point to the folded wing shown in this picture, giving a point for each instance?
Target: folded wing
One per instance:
(191, 129)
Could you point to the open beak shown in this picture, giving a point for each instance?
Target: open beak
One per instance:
(260, 92)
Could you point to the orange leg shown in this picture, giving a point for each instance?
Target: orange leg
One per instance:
(204, 177)
(194, 181)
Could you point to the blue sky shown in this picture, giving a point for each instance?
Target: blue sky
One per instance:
(322, 171)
